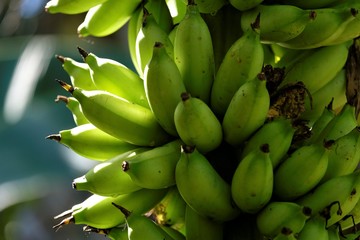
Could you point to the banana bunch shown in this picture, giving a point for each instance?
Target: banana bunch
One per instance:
(238, 119)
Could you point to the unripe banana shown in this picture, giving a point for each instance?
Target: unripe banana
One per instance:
(79, 73)
(350, 32)
(177, 10)
(107, 179)
(334, 91)
(202, 187)
(343, 123)
(148, 35)
(244, 5)
(308, 4)
(242, 62)
(74, 106)
(333, 232)
(118, 117)
(336, 189)
(301, 171)
(278, 23)
(285, 234)
(173, 233)
(114, 77)
(313, 71)
(71, 6)
(201, 227)
(328, 25)
(196, 124)
(278, 215)
(247, 111)
(141, 227)
(315, 228)
(161, 12)
(163, 86)
(252, 182)
(115, 233)
(98, 211)
(108, 17)
(90, 142)
(349, 222)
(209, 6)
(344, 155)
(278, 133)
(133, 28)
(157, 164)
(194, 55)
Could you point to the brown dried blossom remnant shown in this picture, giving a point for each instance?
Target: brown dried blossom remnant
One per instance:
(353, 75)
(289, 101)
(274, 77)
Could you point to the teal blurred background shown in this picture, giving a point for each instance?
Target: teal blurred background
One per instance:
(36, 173)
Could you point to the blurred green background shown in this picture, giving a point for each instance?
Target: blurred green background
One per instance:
(36, 173)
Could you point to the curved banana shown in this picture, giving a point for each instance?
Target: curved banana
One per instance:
(74, 106)
(161, 12)
(328, 25)
(116, 78)
(336, 189)
(141, 227)
(344, 155)
(177, 10)
(242, 62)
(108, 17)
(314, 72)
(202, 187)
(315, 228)
(334, 233)
(278, 23)
(278, 133)
(90, 142)
(150, 33)
(209, 6)
(244, 5)
(252, 182)
(163, 86)
(301, 171)
(79, 73)
(343, 123)
(246, 112)
(98, 211)
(115, 233)
(194, 55)
(349, 222)
(133, 28)
(285, 234)
(201, 227)
(308, 4)
(107, 179)
(71, 6)
(278, 215)
(118, 117)
(157, 164)
(196, 124)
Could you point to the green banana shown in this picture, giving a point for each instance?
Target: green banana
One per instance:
(350, 32)
(157, 164)
(285, 234)
(133, 28)
(71, 6)
(79, 73)
(201, 227)
(161, 12)
(344, 155)
(349, 222)
(90, 142)
(252, 182)
(150, 33)
(98, 211)
(276, 216)
(337, 189)
(141, 227)
(246, 112)
(177, 10)
(115, 233)
(313, 71)
(278, 133)
(116, 116)
(108, 17)
(308, 4)
(163, 86)
(315, 228)
(196, 124)
(343, 123)
(193, 53)
(333, 232)
(74, 106)
(301, 171)
(116, 78)
(173, 233)
(278, 23)
(242, 62)
(333, 91)
(330, 22)
(107, 179)
(202, 187)
(244, 5)
(209, 6)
